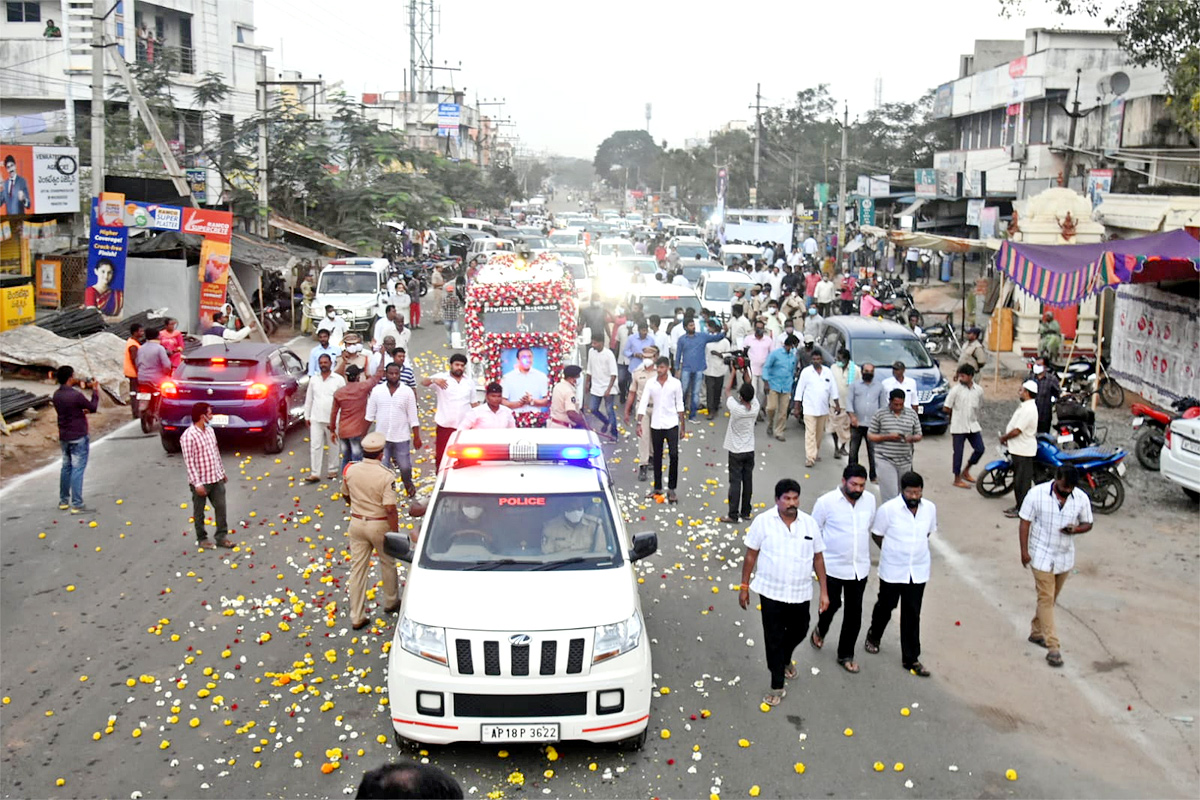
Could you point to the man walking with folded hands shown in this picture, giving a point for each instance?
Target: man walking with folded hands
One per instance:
(844, 517)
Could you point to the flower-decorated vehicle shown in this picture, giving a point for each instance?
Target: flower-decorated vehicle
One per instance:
(521, 326)
(521, 620)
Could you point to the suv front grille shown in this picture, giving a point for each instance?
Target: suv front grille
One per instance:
(549, 653)
(569, 704)
(925, 396)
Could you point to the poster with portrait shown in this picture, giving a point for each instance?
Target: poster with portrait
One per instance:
(106, 270)
(524, 373)
(214, 276)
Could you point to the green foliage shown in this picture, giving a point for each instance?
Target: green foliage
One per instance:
(634, 151)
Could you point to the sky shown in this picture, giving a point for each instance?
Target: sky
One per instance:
(571, 72)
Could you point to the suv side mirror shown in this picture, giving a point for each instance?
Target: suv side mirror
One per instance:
(397, 546)
(644, 545)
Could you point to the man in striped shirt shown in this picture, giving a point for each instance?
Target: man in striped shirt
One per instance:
(894, 430)
(206, 475)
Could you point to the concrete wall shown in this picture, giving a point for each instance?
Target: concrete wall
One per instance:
(164, 283)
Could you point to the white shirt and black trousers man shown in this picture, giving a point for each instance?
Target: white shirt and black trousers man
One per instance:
(739, 444)
(665, 401)
(846, 532)
(783, 582)
(904, 563)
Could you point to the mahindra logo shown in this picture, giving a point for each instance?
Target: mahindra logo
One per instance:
(519, 640)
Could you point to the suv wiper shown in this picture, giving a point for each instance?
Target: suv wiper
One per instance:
(561, 563)
(501, 562)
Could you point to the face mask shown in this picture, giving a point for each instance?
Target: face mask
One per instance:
(912, 502)
(573, 516)
(679, 317)
(353, 348)
(854, 495)
(773, 310)
(473, 512)
(329, 315)
(1038, 369)
(647, 362)
(868, 377)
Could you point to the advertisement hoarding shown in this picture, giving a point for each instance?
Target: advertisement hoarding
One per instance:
(38, 180)
(449, 118)
(106, 269)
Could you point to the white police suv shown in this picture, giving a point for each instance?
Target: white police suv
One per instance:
(521, 620)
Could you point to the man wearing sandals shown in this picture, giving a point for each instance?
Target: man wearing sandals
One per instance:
(902, 529)
(1052, 515)
(783, 549)
(844, 517)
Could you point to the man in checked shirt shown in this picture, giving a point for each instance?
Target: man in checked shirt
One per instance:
(206, 475)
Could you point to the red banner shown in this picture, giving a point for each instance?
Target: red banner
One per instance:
(208, 223)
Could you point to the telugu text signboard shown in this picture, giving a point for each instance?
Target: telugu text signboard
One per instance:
(449, 118)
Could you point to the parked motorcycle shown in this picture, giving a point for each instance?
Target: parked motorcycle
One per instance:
(1079, 378)
(149, 400)
(1151, 426)
(1076, 425)
(941, 338)
(1100, 472)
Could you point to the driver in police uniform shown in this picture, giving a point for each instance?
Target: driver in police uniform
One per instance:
(369, 489)
(571, 531)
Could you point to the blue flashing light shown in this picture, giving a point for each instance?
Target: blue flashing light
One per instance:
(579, 452)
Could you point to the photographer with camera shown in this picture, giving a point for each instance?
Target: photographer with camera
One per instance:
(72, 408)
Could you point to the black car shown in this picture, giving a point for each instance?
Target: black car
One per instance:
(254, 389)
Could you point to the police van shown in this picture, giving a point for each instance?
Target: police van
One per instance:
(521, 620)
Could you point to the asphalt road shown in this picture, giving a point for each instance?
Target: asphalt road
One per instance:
(132, 665)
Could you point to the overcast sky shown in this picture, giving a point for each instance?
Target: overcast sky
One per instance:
(572, 72)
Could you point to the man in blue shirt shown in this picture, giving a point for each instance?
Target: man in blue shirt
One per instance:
(638, 342)
(690, 360)
(323, 348)
(779, 374)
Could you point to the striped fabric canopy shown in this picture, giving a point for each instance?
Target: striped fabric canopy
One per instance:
(1063, 275)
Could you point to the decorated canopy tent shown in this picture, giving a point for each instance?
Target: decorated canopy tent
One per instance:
(1064, 274)
(927, 241)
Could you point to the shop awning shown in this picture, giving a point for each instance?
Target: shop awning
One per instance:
(1063, 275)
(304, 232)
(928, 241)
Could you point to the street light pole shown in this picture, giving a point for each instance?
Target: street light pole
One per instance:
(841, 226)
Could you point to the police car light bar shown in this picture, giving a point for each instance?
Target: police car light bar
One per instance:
(523, 451)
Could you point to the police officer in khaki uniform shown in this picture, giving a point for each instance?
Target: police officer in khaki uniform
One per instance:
(571, 531)
(637, 384)
(368, 487)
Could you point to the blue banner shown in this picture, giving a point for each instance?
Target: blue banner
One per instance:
(106, 270)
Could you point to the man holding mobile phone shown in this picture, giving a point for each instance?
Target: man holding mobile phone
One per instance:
(1052, 515)
(72, 408)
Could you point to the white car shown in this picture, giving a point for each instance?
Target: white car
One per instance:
(521, 620)
(690, 247)
(355, 287)
(1180, 459)
(716, 290)
(662, 299)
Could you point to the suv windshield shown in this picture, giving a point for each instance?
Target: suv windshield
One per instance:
(665, 307)
(887, 351)
(693, 273)
(692, 251)
(616, 249)
(216, 369)
(721, 291)
(525, 532)
(347, 282)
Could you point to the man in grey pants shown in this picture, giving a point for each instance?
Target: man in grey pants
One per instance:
(894, 430)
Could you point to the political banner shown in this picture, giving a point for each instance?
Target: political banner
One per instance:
(974, 209)
(49, 283)
(214, 277)
(106, 269)
(866, 211)
(1099, 183)
(926, 182)
(449, 117)
(38, 180)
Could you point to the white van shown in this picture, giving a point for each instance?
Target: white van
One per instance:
(716, 290)
(355, 287)
(468, 222)
(520, 619)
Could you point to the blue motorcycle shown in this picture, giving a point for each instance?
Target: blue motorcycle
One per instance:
(1100, 472)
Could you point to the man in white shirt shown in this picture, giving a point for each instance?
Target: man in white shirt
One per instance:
(714, 371)
(681, 280)
(815, 393)
(1021, 438)
(392, 406)
(794, 258)
(1052, 515)
(844, 517)
(526, 388)
(318, 402)
(601, 384)
(739, 445)
(491, 413)
(643, 373)
(897, 380)
(824, 295)
(962, 406)
(335, 324)
(390, 324)
(739, 325)
(667, 424)
(783, 550)
(455, 397)
(810, 246)
(902, 529)
(775, 280)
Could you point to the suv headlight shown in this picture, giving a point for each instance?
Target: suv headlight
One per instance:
(617, 638)
(942, 387)
(423, 641)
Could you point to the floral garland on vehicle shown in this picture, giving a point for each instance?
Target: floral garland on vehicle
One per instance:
(487, 347)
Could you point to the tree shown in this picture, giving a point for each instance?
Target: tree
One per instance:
(634, 151)
(1164, 33)
(896, 137)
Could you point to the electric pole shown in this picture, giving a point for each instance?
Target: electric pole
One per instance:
(99, 13)
(841, 227)
(264, 207)
(757, 140)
